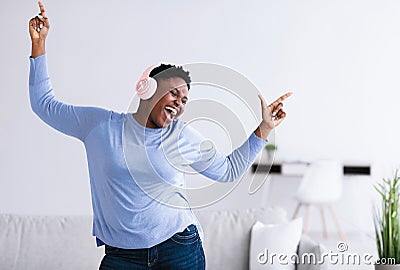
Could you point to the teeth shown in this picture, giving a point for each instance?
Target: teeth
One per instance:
(172, 110)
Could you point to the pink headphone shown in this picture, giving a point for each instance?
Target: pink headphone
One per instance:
(146, 86)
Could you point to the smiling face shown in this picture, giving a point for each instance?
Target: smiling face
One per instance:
(170, 98)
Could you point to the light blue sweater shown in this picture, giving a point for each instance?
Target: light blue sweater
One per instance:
(136, 173)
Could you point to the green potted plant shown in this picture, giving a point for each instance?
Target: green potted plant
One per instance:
(271, 148)
(387, 224)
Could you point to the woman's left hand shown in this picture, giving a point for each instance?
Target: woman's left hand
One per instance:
(272, 115)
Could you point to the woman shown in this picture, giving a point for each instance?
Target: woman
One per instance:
(141, 213)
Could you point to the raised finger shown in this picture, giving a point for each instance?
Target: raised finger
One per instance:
(280, 99)
(42, 10)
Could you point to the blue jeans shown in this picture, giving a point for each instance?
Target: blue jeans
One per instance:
(183, 250)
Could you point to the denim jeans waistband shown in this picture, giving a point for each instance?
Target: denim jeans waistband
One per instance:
(111, 249)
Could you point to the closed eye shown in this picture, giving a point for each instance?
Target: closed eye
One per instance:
(175, 93)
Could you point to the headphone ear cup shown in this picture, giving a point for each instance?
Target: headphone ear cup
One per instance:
(146, 86)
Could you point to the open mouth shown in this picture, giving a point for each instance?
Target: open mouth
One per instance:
(171, 112)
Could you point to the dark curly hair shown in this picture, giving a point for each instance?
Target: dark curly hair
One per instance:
(166, 71)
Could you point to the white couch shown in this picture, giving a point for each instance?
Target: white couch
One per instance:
(65, 242)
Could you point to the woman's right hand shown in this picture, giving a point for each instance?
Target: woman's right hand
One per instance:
(38, 29)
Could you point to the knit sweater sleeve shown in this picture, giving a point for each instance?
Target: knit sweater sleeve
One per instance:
(205, 159)
(71, 120)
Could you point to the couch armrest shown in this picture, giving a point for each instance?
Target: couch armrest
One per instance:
(310, 253)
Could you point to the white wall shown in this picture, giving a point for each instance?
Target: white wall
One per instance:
(340, 58)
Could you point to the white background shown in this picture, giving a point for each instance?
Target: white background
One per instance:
(340, 58)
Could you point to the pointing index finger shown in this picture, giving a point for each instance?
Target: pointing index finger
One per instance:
(42, 10)
(281, 98)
